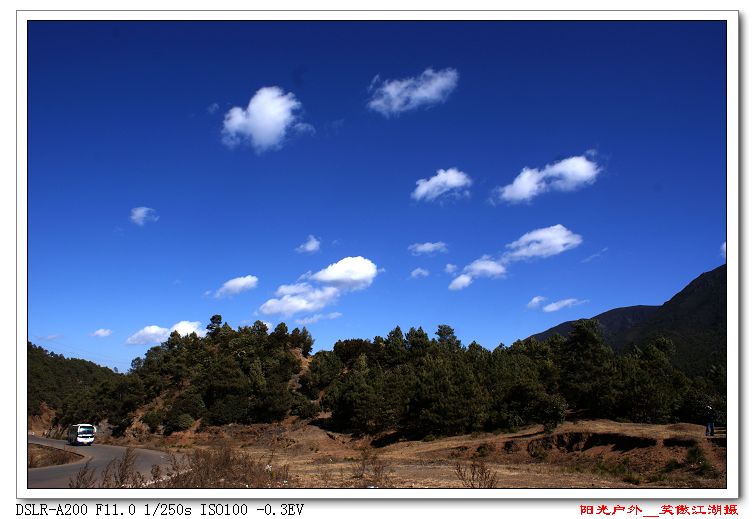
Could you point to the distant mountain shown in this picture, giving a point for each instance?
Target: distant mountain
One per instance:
(695, 319)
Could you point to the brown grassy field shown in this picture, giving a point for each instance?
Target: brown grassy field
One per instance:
(583, 454)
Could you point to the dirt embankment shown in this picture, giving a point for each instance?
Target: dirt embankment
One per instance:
(586, 454)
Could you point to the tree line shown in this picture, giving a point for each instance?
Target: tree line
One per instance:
(409, 382)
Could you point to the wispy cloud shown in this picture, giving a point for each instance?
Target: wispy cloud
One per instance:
(395, 96)
(535, 301)
(447, 183)
(420, 273)
(563, 303)
(50, 337)
(595, 256)
(312, 319)
(213, 108)
(450, 268)
(311, 245)
(236, 286)
(723, 250)
(143, 215)
(265, 121)
(427, 248)
(347, 275)
(102, 332)
(154, 334)
(565, 175)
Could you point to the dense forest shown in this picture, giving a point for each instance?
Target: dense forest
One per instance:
(409, 383)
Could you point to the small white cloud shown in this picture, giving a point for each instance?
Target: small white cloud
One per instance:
(311, 245)
(302, 297)
(236, 286)
(564, 175)
(393, 97)
(450, 268)
(213, 108)
(595, 256)
(723, 250)
(539, 243)
(189, 327)
(484, 267)
(154, 334)
(564, 303)
(535, 301)
(346, 275)
(420, 273)
(447, 183)
(142, 215)
(351, 273)
(151, 334)
(542, 243)
(102, 332)
(265, 121)
(312, 319)
(427, 248)
(460, 282)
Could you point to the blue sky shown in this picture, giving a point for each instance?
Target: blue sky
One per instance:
(334, 173)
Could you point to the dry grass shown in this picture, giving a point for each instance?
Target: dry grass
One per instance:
(220, 467)
(476, 475)
(43, 456)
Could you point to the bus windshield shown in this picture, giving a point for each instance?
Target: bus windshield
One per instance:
(86, 430)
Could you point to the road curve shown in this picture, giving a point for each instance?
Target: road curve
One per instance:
(98, 455)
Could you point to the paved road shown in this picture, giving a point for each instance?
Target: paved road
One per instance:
(58, 476)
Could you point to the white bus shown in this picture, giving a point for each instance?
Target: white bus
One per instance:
(81, 434)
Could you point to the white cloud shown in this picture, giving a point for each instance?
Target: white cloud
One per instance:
(723, 250)
(189, 327)
(346, 275)
(564, 303)
(352, 273)
(446, 183)
(564, 175)
(450, 268)
(142, 215)
(154, 334)
(151, 334)
(302, 297)
(542, 243)
(420, 273)
(236, 286)
(312, 319)
(427, 248)
(460, 282)
(265, 121)
(484, 267)
(102, 332)
(311, 245)
(535, 301)
(392, 97)
(539, 243)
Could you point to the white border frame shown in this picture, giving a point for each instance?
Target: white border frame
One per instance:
(733, 233)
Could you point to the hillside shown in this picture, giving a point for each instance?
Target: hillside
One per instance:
(57, 380)
(694, 319)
